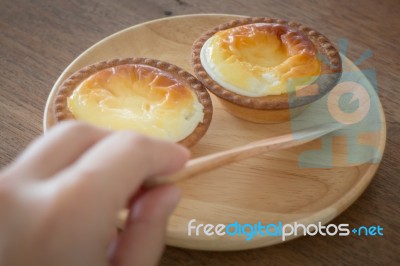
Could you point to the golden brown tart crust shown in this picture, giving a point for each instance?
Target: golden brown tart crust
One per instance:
(62, 112)
(328, 78)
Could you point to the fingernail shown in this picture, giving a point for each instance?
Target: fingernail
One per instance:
(172, 199)
(185, 151)
(166, 205)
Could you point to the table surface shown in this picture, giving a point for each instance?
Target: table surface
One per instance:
(40, 38)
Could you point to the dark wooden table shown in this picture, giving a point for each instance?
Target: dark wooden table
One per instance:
(40, 38)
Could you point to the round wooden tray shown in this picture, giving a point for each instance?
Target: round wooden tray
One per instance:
(270, 188)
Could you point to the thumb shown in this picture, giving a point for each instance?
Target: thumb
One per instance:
(143, 240)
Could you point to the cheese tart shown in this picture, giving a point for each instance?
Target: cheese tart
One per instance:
(264, 69)
(148, 96)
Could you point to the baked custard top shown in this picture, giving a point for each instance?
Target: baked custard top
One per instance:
(296, 92)
(137, 97)
(258, 59)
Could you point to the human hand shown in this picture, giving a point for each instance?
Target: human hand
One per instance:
(59, 199)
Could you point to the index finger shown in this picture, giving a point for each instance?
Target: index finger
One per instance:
(109, 173)
(58, 149)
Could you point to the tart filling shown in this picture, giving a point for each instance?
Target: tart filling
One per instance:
(259, 59)
(137, 97)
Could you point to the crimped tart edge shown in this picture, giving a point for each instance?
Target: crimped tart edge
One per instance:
(61, 111)
(328, 78)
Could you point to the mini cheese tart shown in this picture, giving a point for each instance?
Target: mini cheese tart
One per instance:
(148, 96)
(266, 70)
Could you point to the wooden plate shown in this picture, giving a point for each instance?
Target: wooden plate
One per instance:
(270, 188)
